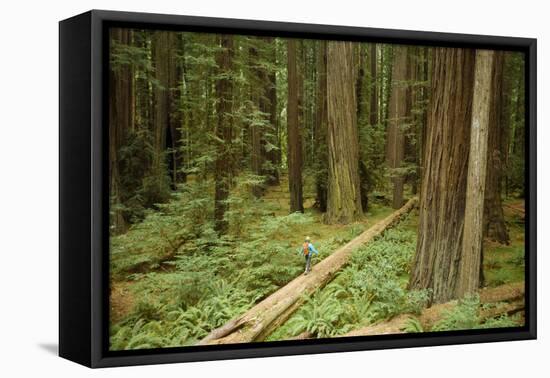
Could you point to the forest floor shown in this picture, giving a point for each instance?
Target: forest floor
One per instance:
(135, 279)
(373, 287)
(150, 307)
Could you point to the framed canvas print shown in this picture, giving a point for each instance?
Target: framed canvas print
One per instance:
(234, 188)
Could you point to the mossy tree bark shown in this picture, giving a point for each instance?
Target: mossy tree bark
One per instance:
(294, 134)
(443, 189)
(224, 132)
(344, 197)
(472, 244)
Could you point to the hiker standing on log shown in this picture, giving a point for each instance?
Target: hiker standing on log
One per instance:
(308, 249)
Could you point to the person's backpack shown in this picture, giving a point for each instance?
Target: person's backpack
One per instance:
(306, 249)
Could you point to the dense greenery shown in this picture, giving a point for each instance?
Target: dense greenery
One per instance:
(186, 281)
(226, 151)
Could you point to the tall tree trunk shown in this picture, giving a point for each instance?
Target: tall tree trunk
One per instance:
(413, 114)
(422, 100)
(397, 119)
(143, 115)
(387, 68)
(321, 121)
(224, 132)
(494, 226)
(165, 121)
(443, 190)
(121, 121)
(373, 86)
(344, 199)
(362, 118)
(294, 135)
(185, 132)
(175, 92)
(426, 99)
(360, 81)
(472, 243)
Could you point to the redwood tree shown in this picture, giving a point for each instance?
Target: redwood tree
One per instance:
(121, 120)
(294, 135)
(494, 226)
(165, 117)
(397, 114)
(344, 199)
(443, 190)
(321, 168)
(472, 243)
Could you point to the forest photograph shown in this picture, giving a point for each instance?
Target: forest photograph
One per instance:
(264, 189)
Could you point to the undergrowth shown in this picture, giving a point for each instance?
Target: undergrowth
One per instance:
(369, 289)
(188, 281)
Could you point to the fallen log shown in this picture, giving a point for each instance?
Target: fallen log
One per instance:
(508, 299)
(258, 322)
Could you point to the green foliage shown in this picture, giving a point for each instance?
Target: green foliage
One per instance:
(372, 139)
(370, 289)
(152, 325)
(183, 222)
(466, 316)
(412, 325)
(319, 315)
(195, 280)
(503, 321)
(463, 316)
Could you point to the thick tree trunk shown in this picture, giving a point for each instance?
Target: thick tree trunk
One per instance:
(472, 243)
(494, 226)
(224, 133)
(321, 125)
(121, 120)
(395, 147)
(344, 196)
(294, 135)
(443, 190)
(262, 319)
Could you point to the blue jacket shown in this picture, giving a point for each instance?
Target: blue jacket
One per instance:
(311, 249)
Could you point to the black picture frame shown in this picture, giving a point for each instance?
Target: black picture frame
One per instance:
(83, 194)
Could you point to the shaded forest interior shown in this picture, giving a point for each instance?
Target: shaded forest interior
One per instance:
(225, 151)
